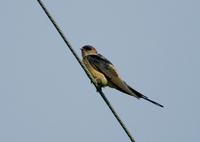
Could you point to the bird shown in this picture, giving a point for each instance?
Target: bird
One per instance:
(105, 74)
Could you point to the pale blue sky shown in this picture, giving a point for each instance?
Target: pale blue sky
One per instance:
(46, 97)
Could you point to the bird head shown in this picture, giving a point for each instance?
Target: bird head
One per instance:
(88, 50)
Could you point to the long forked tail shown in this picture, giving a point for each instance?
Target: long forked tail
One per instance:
(144, 97)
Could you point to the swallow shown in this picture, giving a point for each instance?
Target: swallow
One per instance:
(105, 73)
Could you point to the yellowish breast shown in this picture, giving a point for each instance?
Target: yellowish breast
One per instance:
(98, 76)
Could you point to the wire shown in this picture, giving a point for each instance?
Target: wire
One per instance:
(99, 90)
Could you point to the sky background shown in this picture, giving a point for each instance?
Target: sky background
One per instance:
(45, 96)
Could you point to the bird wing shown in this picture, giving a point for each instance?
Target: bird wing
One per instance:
(104, 66)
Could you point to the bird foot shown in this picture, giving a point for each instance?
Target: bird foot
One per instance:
(99, 89)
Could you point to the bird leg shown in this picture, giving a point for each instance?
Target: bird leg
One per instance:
(98, 84)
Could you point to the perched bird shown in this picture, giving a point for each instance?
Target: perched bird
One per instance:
(105, 74)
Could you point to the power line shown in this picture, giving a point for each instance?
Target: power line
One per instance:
(86, 71)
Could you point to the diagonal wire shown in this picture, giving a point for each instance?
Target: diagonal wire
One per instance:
(86, 71)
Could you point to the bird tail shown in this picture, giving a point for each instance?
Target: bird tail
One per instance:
(144, 97)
